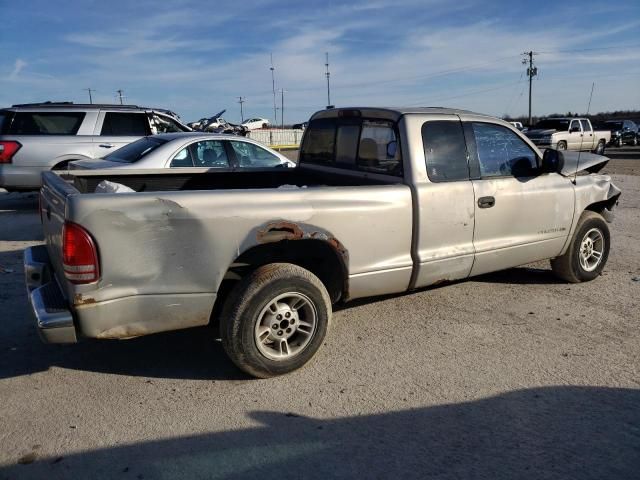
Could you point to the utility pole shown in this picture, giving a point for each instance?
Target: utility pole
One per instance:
(273, 89)
(90, 97)
(282, 108)
(531, 72)
(328, 74)
(241, 100)
(120, 92)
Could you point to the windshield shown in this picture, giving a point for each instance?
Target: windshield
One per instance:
(553, 124)
(136, 150)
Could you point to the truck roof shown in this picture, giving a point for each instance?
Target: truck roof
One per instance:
(390, 113)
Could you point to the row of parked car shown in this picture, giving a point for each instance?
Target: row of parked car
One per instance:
(573, 133)
(58, 136)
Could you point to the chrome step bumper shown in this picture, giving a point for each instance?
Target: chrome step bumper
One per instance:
(53, 317)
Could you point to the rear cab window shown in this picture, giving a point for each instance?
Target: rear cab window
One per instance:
(364, 144)
(135, 151)
(44, 123)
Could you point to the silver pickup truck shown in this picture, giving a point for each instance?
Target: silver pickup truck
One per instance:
(383, 201)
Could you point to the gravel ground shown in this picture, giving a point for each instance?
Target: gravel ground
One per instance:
(509, 375)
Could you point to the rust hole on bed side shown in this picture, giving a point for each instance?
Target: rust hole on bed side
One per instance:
(274, 232)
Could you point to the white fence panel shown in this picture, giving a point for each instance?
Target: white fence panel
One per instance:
(277, 138)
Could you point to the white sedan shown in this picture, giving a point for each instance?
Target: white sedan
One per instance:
(190, 149)
(256, 123)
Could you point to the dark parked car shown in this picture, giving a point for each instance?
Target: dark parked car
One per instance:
(623, 132)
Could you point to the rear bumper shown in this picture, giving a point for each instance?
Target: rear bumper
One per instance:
(15, 177)
(49, 307)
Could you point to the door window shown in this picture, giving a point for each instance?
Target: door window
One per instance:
(445, 151)
(575, 124)
(253, 156)
(209, 154)
(586, 127)
(182, 159)
(502, 153)
(125, 124)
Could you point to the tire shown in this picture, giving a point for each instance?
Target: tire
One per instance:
(562, 145)
(278, 295)
(634, 142)
(619, 142)
(569, 266)
(599, 150)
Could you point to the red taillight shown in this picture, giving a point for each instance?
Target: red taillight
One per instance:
(8, 150)
(79, 255)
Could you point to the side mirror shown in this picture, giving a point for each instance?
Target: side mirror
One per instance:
(552, 161)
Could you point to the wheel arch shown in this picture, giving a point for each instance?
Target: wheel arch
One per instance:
(322, 257)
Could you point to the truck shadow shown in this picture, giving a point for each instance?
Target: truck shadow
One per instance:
(552, 432)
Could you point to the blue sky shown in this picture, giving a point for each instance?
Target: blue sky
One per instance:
(197, 57)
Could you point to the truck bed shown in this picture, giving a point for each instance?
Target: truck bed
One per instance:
(188, 179)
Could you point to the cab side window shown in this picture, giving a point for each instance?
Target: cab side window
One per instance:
(585, 126)
(574, 125)
(502, 153)
(445, 151)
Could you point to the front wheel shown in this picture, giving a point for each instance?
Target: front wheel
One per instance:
(275, 320)
(599, 150)
(588, 252)
(562, 145)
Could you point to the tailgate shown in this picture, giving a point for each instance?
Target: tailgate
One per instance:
(53, 202)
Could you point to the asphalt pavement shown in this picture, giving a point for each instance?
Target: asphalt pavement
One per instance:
(509, 375)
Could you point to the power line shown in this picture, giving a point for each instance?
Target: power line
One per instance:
(577, 50)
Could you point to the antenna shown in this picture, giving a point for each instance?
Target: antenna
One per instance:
(241, 100)
(90, 97)
(273, 89)
(575, 178)
(120, 92)
(328, 74)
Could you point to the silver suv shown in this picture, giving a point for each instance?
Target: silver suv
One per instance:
(47, 136)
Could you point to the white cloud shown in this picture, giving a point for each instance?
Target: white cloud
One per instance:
(18, 66)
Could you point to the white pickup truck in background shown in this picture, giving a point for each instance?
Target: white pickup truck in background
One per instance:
(569, 134)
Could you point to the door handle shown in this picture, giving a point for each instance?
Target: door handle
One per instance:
(106, 145)
(486, 202)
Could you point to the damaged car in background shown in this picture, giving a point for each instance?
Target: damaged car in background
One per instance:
(217, 124)
(383, 201)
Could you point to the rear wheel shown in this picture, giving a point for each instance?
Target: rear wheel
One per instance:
(275, 320)
(588, 252)
(562, 145)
